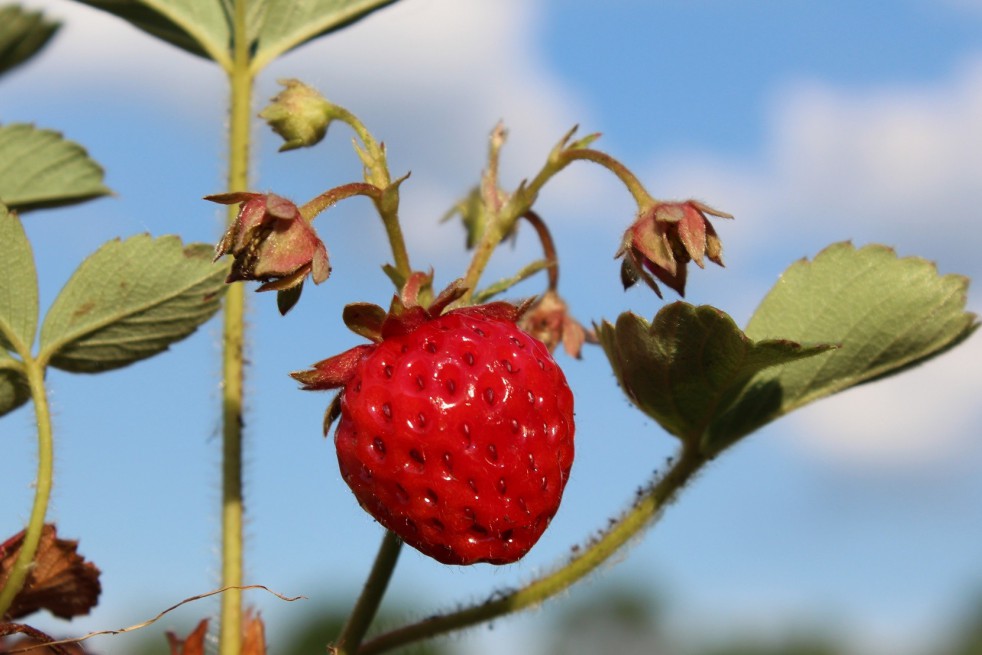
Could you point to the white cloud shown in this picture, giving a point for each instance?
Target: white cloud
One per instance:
(917, 420)
(899, 165)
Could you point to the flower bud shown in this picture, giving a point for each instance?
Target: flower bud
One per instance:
(299, 114)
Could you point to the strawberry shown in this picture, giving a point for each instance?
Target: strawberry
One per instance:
(456, 430)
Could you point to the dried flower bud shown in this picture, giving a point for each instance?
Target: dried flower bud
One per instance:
(665, 237)
(549, 321)
(299, 114)
(271, 242)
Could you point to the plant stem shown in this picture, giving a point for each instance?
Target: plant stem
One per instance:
(640, 516)
(548, 246)
(371, 596)
(42, 490)
(240, 113)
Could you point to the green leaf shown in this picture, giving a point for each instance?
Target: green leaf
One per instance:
(22, 35)
(286, 24)
(687, 365)
(18, 286)
(885, 313)
(130, 300)
(14, 391)
(39, 168)
(201, 27)
(204, 27)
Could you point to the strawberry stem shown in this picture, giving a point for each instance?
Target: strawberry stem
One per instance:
(34, 370)
(548, 246)
(368, 603)
(644, 512)
(240, 79)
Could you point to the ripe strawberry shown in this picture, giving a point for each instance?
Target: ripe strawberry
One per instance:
(456, 430)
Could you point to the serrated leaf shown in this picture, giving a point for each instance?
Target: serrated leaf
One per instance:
(688, 364)
(40, 168)
(19, 287)
(201, 27)
(130, 300)
(14, 391)
(885, 313)
(287, 24)
(22, 35)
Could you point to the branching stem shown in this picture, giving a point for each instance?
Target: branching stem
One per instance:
(640, 516)
(371, 596)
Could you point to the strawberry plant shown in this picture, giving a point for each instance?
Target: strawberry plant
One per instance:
(454, 426)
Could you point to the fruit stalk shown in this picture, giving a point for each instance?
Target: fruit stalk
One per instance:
(240, 111)
(42, 491)
(371, 597)
(648, 508)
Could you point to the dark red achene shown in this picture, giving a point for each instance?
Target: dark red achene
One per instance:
(458, 437)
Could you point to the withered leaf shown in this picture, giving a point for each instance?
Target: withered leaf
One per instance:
(61, 581)
(194, 644)
(253, 635)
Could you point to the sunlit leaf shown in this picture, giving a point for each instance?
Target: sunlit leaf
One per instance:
(273, 27)
(40, 168)
(193, 644)
(18, 285)
(22, 35)
(200, 27)
(688, 364)
(287, 24)
(885, 313)
(130, 300)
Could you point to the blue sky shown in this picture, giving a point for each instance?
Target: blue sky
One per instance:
(811, 122)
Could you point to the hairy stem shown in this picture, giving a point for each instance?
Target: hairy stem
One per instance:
(42, 490)
(233, 367)
(371, 596)
(640, 516)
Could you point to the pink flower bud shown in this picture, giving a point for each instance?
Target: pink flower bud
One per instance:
(271, 242)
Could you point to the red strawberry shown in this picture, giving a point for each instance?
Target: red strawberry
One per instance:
(456, 430)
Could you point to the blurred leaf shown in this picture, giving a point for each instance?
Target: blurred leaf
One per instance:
(130, 300)
(39, 168)
(22, 35)
(201, 27)
(19, 290)
(60, 581)
(204, 27)
(287, 24)
(688, 364)
(885, 313)
(14, 391)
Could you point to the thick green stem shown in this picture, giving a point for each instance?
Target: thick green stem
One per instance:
(371, 596)
(42, 490)
(640, 516)
(233, 337)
